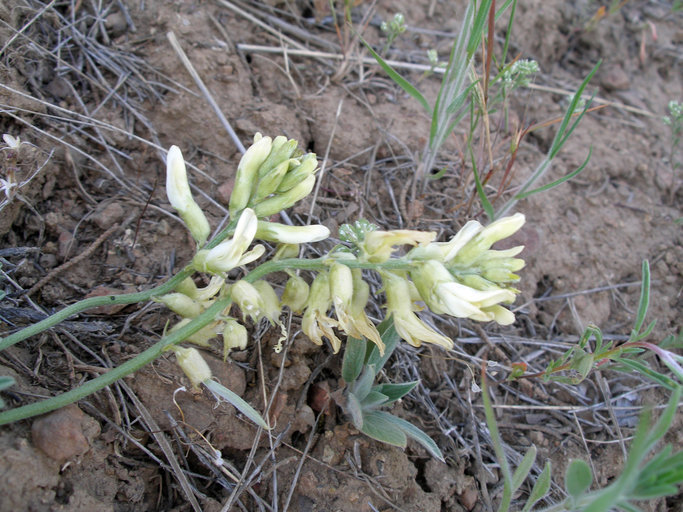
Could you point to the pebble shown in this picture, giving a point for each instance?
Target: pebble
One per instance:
(60, 434)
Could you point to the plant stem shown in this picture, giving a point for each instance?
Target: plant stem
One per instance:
(120, 371)
(158, 348)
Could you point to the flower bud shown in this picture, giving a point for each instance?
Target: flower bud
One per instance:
(281, 151)
(193, 364)
(378, 245)
(203, 336)
(187, 287)
(281, 233)
(279, 202)
(296, 175)
(180, 196)
(269, 183)
(295, 295)
(286, 251)
(234, 337)
(181, 304)
(502, 228)
(269, 299)
(248, 299)
(247, 173)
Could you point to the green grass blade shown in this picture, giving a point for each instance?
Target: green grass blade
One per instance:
(563, 132)
(558, 181)
(644, 301)
(400, 81)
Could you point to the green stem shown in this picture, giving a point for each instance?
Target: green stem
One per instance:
(120, 371)
(108, 300)
(158, 348)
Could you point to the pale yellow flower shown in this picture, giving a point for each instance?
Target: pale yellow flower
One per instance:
(407, 324)
(281, 233)
(193, 364)
(315, 323)
(231, 253)
(378, 245)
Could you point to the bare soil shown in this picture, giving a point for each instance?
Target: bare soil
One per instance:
(97, 98)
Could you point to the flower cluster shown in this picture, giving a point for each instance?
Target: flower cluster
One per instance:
(463, 277)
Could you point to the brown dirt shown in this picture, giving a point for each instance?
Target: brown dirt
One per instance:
(585, 236)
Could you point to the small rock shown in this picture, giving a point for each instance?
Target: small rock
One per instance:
(116, 24)
(616, 79)
(60, 434)
(108, 216)
(469, 498)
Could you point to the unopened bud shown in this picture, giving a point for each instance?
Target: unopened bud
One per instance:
(295, 295)
(296, 175)
(234, 337)
(193, 364)
(181, 304)
(248, 299)
(247, 173)
(281, 233)
(282, 201)
(281, 151)
(180, 196)
(269, 299)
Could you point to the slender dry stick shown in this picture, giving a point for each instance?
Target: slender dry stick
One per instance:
(205, 91)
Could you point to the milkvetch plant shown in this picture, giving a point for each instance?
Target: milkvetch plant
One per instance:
(463, 278)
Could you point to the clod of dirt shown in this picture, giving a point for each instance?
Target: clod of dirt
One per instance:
(61, 435)
(27, 481)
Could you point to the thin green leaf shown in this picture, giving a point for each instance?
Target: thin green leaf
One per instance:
(354, 357)
(578, 478)
(540, 488)
(377, 426)
(508, 32)
(563, 132)
(559, 181)
(219, 390)
(396, 391)
(646, 332)
(523, 469)
(648, 372)
(644, 301)
(415, 434)
(402, 82)
(478, 25)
